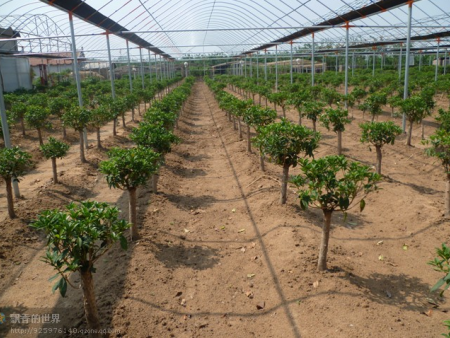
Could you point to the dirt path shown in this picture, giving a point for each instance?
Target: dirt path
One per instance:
(220, 257)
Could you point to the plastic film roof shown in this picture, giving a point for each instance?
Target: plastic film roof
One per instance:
(178, 28)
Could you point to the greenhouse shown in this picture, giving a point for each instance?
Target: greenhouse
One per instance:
(224, 168)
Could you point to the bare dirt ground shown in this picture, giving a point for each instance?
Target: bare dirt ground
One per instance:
(219, 257)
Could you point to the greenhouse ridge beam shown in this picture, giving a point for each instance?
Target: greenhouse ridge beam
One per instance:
(88, 14)
(374, 8)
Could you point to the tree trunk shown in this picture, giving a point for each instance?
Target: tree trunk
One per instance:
(139, 108)
(284, 183)
(339, 139)
(99, 144)
(82, 157)
(284, 111)
(261, 162)
(408, 140)
(249, 143)
(423, 130)
(90, 306)
(133, 214)
(9, 198)
(64, 132)
(123, 121)
(379, 157)
(299, 118)
(314, 125)
(132, 114)
(114, 127)
(234, 123)
(322, 263)
(239, 127)
(55, 174)
(259, 95)
(155, 183)
(266, 102)
(23, 126)
(40, 136)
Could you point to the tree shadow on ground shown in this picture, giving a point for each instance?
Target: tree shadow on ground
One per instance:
(187, 202)
(185, 172)
(177, 255)
(402, 291)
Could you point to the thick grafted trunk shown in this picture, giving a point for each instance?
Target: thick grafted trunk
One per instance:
(64, 132)
(261, 162)
(55, 173)
(82, 157)
(123, 121)
(284, 111)
(133, 213)
(339, 137)
(22, 124)
(132, 114)
(408, 140)
(99, 143)
(447, 197)
(115, 127)
(239, 127)
(379, 157)
(90, 306)
(9, 198)
(314, 125)
(322, 263)
(41, 142)
(284, 183)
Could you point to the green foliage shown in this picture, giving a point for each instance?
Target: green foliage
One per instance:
(129, 168)
(333, 183)
(155, 136)
(54, 148)
(9, 120)
(36, 117)
(379, 133)
(335, 119)
(284, 141)
(440, 147)
(77, 238)
(76, 117)
(374, 103)
(13, 162)
(313, 110)
(257, 116)
(444, 119)
(57, 105)
(99, 116)
(415, 108)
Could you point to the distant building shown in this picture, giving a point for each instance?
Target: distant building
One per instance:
(442, 61)
(8, 47)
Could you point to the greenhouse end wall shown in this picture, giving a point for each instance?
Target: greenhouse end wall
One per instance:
(15, 72)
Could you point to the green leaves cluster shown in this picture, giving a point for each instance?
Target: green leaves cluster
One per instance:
(335, 119)
(379, 133)
(54, 148)
(79, 236)
(13, 162)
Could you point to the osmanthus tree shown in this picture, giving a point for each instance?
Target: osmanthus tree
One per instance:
(281, 99)
(313, 110)
(415, 110)
(440, 148)
(257, 117)
(378, 134)
(335, 119)
(36, 117)
(332, 183)
(130, 102)
(54, 149)
(99, 117)
(18, 110)
(238, 110)
(156, 137)
(127, 169)
(76, 239)
(444, 119)
(298, 100)
(57, 107)
(13, 163)
(283, 142)
(78, 118)
(9, 119)
(374, 103)
(330, 96)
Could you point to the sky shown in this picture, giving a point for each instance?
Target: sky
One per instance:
(178, 26)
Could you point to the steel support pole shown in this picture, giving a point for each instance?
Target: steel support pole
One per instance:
(156, 70)
(129, 67)
(420, 61)
(111, 70)
(251, 67)
(400, 62)
(445, 62)
(437, 61)
(5, 129)
(408, 50)
(245, 66)
(292, 79)
(337, 63)
(150, 65)
(346, 65)
(353, 64)
(142, 68)
(257, 68)
(313, 66)
(77, 74)
(276, 68)
(265, 65)
(373, 63)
